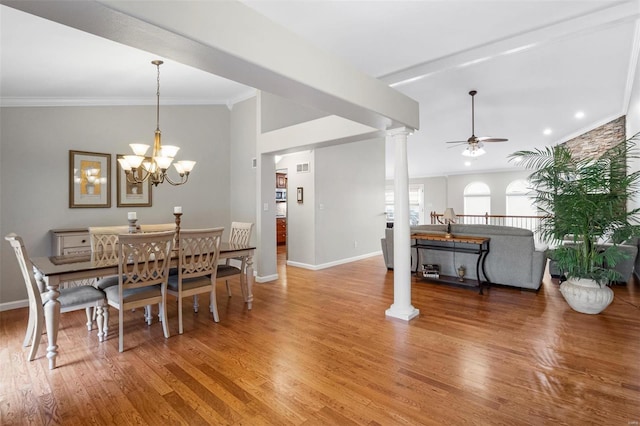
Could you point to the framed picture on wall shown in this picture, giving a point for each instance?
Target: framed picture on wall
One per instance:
(132, 194)
(89, 179)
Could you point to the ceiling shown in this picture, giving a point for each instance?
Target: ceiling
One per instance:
(534, 65)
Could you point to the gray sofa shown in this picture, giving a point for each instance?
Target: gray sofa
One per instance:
(513, 259)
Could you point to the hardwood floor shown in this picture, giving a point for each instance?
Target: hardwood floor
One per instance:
(317, 349)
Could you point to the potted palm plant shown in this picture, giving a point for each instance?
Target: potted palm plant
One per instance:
(585, 201)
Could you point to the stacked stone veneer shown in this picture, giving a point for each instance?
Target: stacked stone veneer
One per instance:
(593, 143)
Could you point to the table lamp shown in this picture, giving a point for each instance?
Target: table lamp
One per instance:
(449, 216)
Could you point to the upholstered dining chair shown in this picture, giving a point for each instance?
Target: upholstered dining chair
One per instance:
(143, 269)
(71, 299)
(240, 234)
(199, 250)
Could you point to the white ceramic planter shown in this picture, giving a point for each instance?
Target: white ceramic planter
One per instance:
(585, 295)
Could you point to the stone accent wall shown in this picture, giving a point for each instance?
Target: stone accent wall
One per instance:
(593, 143)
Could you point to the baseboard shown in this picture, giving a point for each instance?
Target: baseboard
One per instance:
(14, 305)
(334, 263)
(266, 278)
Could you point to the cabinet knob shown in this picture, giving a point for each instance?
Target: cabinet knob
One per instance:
(84, 241)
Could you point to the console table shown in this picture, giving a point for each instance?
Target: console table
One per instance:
(456, 244)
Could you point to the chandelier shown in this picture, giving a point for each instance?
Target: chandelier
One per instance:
(162, 156)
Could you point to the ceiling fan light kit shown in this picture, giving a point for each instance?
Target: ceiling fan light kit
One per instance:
(475, 145)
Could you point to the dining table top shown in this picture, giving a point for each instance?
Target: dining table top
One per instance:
(68, 263)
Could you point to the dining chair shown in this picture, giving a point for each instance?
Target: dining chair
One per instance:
(240, 234)
(157, 227)
(71, 299)
(143, 269)
(197, 265)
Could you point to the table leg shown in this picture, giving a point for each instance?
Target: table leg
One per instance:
(52, 316)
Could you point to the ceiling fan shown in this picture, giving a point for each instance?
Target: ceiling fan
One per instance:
(475, 144)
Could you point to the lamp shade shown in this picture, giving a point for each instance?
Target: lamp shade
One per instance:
(449, 214)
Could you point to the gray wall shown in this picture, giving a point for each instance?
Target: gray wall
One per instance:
(447, 191)
(34, 172)
(278, 112)
(498, 183)
(435, 194)
(243, 151)
(301, 232)
(349, 200)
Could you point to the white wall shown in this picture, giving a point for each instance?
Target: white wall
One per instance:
(34, 172)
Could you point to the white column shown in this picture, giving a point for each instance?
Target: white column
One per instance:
(401, 307)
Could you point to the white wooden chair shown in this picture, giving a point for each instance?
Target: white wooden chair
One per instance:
(240, 234)
(104, 248)
(197, 265)
(71, 299)
(143, 269)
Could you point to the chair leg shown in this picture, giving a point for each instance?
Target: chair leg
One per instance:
(165, 323)
(120, 330)
(90, 313)
(228, 288)
(214, 306)
(30, 327)
(195, 303)
(148, 316)
(105, 325)
(180, 314)
(36, 329)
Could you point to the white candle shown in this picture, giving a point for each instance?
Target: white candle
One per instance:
(131, 215)
(177, 209)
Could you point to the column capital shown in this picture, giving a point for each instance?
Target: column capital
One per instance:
(406, 131)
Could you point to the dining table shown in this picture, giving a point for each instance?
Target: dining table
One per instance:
(53, 271)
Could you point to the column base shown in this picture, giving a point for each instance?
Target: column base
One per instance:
(403, 314)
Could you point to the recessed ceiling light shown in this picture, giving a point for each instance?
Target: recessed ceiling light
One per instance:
(467, 163)
(517, 159)
(547, 131)
(579, 115)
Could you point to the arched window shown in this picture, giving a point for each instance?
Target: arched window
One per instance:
(519, 199)
(477, 199)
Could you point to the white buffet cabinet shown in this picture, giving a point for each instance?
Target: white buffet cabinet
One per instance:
(70, 241)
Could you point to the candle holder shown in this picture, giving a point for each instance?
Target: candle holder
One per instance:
(177, 244)
(461, 273)
(133, 227)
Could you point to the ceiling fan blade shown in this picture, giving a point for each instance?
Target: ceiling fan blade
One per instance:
(490, 139)
(457, 142)
(456, 145)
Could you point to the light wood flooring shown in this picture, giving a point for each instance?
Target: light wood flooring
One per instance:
(317, 349)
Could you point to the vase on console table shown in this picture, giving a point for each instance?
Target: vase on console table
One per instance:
(461, 273)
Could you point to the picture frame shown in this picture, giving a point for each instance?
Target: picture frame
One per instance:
(300, 195)
(89, 179)
(132, 194)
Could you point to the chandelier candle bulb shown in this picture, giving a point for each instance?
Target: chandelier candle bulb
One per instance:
(177, 209)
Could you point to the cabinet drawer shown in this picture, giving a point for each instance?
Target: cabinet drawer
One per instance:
(76, 241)
(76, 250)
